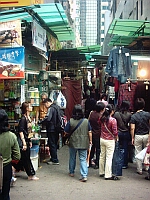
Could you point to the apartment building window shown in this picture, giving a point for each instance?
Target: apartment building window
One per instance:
(102, 23)
(141, 7)
(137, 8)
(103, 15)
(104, 7)
(102, 31)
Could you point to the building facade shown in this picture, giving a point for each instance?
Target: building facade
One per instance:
(126, 9)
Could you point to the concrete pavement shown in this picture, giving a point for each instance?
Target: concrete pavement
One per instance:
(55, 184)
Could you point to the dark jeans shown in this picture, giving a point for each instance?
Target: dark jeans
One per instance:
(95, 147)
(7, 175)
(124, 138)
(53, 143)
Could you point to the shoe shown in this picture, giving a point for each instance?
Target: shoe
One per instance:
(112, 178)
(13, 180)
(140, 173)
(52, 163)
(96, 167)
(71, 175)
(83, 179)
(124, 167)
(34, 178)
(101, 175)
(147, 178)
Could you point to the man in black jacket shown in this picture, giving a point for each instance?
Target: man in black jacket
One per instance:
(52, 133)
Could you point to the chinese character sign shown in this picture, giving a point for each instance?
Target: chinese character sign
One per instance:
(38, 36)
(12, 63)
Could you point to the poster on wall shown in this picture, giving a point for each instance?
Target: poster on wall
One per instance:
(10, 33)
(12, 63)
(38, 36)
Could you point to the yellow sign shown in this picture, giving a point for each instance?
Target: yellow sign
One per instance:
(16, 3)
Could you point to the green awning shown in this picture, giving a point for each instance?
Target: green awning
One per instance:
(89, 49)
(51, 16)
(125, 31)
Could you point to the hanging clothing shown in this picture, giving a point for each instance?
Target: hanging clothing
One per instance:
(126, 93)
(119, 62)
(143, 91)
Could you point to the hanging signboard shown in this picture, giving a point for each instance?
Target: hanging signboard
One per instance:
(53, 43)
(38, 36)
(12, 63)
(10, 33)
(15, 3)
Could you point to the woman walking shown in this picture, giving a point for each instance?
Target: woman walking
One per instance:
(109, 134)
(24, 126)
(123, 117)
(79, 131)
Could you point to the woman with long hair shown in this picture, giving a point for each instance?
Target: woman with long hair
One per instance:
(108, 136)
(23, 128)
(79, 130)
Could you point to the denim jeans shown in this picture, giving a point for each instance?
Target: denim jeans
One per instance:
(82, 158)
(124, 138)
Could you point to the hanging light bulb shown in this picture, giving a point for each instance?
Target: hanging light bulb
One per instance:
(142, 72)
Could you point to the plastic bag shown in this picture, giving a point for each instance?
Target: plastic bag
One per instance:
(147, 159)
(117, 161)
(61, 101)
(140, 156)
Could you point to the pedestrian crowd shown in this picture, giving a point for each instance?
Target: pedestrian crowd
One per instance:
(92, 134)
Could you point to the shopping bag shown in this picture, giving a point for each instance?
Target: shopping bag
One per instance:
(147, 156)
(61, 101)
(140, 156)
(117, 161)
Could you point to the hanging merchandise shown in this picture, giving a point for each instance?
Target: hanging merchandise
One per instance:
(119, 63)
(61, 101)
(127, 93)
(53, 95)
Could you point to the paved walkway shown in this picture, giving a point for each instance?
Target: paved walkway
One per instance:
(55, 184)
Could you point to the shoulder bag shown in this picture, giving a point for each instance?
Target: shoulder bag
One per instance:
(68, 138)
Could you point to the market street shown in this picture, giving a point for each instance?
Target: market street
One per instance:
(55, 184)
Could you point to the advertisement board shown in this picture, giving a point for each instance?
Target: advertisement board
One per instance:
(12, 63)
(38, 36)
(15, 3)
(10, 33)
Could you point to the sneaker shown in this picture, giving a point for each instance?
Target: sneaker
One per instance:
(52, 163)
(13, 180)
(83, 179)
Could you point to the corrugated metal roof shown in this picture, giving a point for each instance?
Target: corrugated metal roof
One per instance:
(50, 16)
(125, 31)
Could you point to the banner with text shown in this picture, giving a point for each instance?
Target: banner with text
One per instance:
(12, 63)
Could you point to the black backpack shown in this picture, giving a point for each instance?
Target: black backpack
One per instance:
(59, 126)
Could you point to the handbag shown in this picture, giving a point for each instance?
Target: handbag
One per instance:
(68, 138)
(147, 156)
